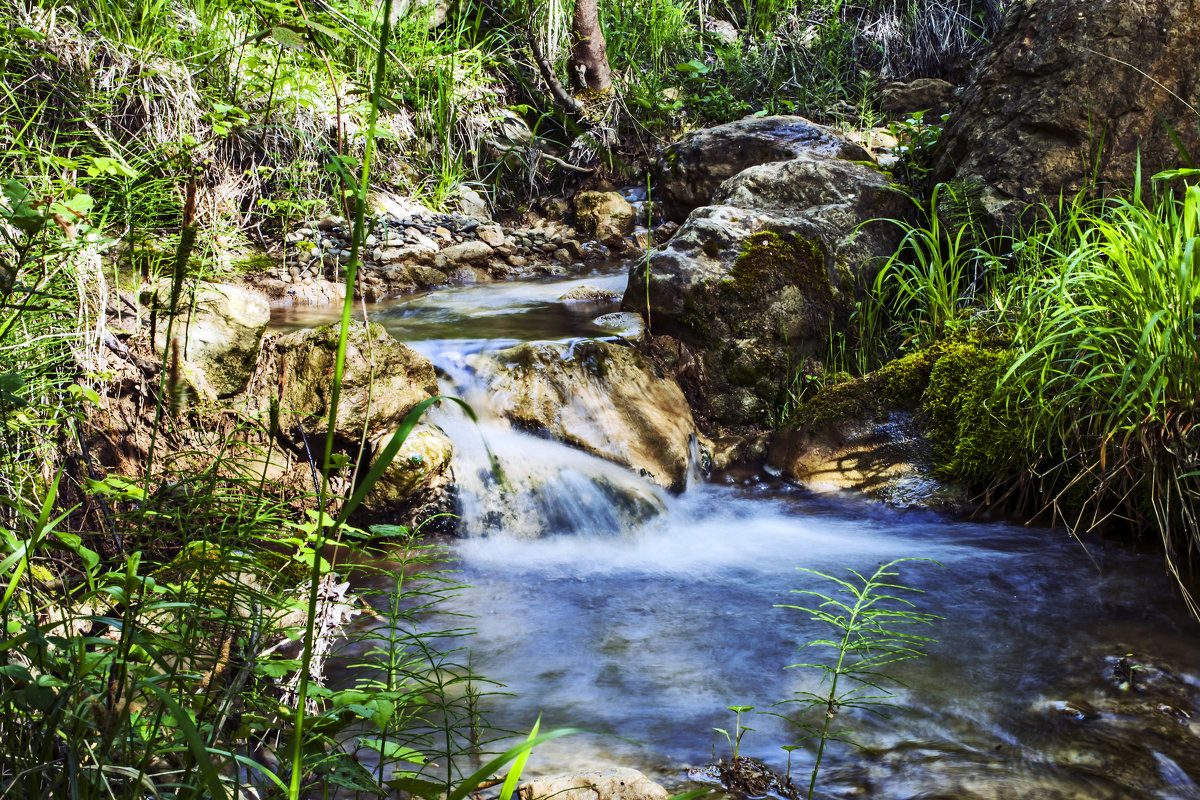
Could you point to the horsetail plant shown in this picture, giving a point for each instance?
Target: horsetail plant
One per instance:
(867, 617)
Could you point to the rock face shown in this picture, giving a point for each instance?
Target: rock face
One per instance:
(692, 169)
(604, 399)
(753, 284)
(219, 328)
(383, 380)
(600, 784)
(932, 95)
(607, 216)
(1072, 89)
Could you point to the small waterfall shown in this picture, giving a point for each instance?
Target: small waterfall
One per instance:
(541, 486)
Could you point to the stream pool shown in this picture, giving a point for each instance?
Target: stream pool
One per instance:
(648, 632)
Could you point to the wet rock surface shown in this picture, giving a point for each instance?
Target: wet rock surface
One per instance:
(603, 398)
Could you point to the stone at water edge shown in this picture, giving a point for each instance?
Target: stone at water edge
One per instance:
(611, 783)
(589, 294)
(1072, 93)
(419, 475)
(625, 324)
(600, 397)
(219, 329)
(605, 216)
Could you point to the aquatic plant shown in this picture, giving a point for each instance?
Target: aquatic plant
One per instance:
(869, 635)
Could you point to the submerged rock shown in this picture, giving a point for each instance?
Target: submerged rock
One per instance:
(604, 399)
(219, 329)
(1072, 94)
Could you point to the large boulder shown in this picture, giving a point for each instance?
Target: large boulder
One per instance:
(691, 170)
(219, 328)
(382, 381)
(753, 285)
(603, 398)
(1071, 94)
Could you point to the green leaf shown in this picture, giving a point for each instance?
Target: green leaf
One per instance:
(10, 384)
(693, 67)
(287, 37)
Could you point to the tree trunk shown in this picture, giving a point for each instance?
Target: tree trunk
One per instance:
(589, 57)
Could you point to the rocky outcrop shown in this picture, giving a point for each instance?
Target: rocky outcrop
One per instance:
(753, 285)
(383, 380)
(1074, 92)
(930, 95)
(218, 328)
(605, 399)
(613, 783)
(691, 170)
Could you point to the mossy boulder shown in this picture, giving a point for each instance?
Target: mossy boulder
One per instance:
(972, 426)
(603, 398)
(755, 284)
(382, 381)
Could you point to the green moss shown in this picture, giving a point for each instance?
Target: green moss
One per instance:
(254, 264)
(971, 428)
(872, 165)
(853, 399)
(770, 260)
(902, 382)
(711, 249)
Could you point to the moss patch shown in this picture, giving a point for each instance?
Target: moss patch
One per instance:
(971, 427)
(770, 260)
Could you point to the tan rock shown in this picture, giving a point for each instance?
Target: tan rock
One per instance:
(614, 783)
(604, 399)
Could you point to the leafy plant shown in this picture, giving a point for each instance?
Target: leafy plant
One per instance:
(868, 617)
(735, 741)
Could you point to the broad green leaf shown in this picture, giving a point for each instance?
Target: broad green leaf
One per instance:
(288, 37)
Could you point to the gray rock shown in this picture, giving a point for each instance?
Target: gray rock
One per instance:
(1070, 96)
(606, 216)
(465, 253)
(491, 235)
(754, 284)
(589, 294)
(692, 169)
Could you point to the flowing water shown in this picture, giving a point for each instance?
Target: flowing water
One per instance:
(601, 602)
